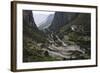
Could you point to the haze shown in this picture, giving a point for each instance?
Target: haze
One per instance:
(41, 16)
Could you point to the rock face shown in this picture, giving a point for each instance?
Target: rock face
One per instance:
(31, 37)
(28, 18)
(29, 26)
(61, 19)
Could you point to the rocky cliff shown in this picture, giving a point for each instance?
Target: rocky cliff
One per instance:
(28, 18)
(61, 19)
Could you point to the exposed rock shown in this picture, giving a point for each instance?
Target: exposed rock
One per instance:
(28, 18)
(61, 19)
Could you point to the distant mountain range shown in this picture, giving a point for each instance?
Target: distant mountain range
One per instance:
(39, 18)
(45, 24)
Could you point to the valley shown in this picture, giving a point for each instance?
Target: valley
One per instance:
(65, 37)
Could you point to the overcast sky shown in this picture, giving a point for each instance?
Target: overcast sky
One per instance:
(40, 16)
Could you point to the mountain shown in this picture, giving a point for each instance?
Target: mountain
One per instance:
(28, 19)
(61, 19)
(67, 37)
(79, 31)
(30, 30)
(45, 24)
(81, 24)
(31, 36)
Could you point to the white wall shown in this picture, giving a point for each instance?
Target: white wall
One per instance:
(5, 37)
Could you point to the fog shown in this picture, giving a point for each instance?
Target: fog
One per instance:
(41, 16)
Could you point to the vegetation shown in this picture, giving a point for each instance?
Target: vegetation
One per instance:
(33, 53)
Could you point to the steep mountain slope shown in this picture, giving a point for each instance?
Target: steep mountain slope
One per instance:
(61, 19)
(82, 23)
(28, 18)
(29, 27)
(31, 37)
